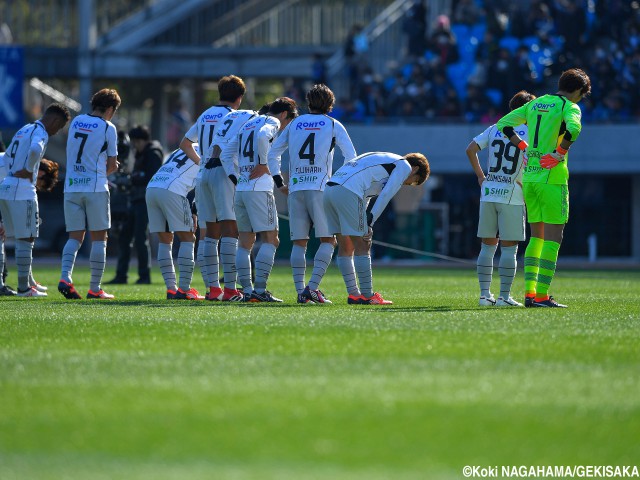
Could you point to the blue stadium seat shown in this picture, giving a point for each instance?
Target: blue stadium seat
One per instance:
(495, 96)
(457, 74)
(510, 43)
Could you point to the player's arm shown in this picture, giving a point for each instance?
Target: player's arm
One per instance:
(279, 145)
(228, 158)
(571, 117)
(186, 144)
(396, 179)
(112, 149)
(513, 119)
(344, 143)
(472, 154)
(264, 137)
(36, 150)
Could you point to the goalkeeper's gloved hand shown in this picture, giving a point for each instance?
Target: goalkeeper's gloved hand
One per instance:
(550, 160)
(523, 145)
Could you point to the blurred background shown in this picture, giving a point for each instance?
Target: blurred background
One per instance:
(408, 75)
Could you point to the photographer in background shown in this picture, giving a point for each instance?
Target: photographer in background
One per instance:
(148, 159)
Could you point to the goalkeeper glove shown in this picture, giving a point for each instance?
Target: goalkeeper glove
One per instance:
(550, 160)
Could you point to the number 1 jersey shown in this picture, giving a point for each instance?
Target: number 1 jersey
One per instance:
(503, 183)
(90, 142)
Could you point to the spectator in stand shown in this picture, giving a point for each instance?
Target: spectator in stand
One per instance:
(467, 12)
(443, 42)
(415, 27)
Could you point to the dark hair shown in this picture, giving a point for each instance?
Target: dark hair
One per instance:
(575, 79)
(58, 110)
(284, 104)
(521, 98)
(124, 145)
(50, 177)
(320, 98)
(264, 109)
(230, 88)
(420, 161)
(140, 132)
(105, 98)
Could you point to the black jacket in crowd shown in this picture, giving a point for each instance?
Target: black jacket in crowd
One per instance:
(146, 165)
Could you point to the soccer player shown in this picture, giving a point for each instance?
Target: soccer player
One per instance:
(231, 90)
(311, 140)
(244, 160)
(501, 206)
(5, 290)
(375, 174)
(92, 149)
(554, 120)
(18, 198)
(169, 213)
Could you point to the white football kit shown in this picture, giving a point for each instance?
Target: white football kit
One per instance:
(311, 140)
(501, 197)
(166, 196)
(91, 141)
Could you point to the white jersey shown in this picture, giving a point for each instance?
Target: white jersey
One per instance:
(204, 130)
(311, 140)
(249, 148)
(31, 137)
(231, 124)
(178, 174)
(3, 171)
(375, 174)
(90, 142)
(503, 182)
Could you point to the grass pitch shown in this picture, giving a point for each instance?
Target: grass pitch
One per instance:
(143, 388)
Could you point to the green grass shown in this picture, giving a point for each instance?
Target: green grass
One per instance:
(142, 388)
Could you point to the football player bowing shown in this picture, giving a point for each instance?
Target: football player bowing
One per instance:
(375, 174)
(244, 159)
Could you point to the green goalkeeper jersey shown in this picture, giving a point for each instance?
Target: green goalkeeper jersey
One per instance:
(550, 118)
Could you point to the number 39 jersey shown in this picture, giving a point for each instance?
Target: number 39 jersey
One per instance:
(178, 174)
(503, 182)
(311, 139)
(90, 142)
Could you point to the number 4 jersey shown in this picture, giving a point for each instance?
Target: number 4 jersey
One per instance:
(90, 142)
(503, 182)
(178, 174)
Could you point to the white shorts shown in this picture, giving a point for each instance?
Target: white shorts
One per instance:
(20, 218)
(501, 219)
(202, 223)
(306, 210)
(256, 211)
(346, 211)
(216, 196)
(168, 211)
(84, 210)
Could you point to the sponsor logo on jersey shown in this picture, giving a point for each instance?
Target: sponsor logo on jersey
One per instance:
(310, 125)
(304, 170)
(519, 132)
(501, 192)
(304, 179)
(340, 174)
(252, 124)
(213, 117)
(160, 178)
(79, 181)
(499, 178)
(79, 168)
(84, 125)
(542, 107)
(166, 169)
(533, 169)
(246, 168)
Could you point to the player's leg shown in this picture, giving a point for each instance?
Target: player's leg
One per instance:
(322, 258)
(74, 219)
(165, 262)
(536, 240)
(299, 226)
(512, 231)
(246, 239)
(186, 264)
(487, 232)
(207, 214)
(347, 269)
(24, 221)
(4, 289)
(548, 258)
(99, 222)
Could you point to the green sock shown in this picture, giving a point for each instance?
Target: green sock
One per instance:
(548, 258)
(531, 264)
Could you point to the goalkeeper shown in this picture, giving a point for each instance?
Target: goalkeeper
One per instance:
(554, 124)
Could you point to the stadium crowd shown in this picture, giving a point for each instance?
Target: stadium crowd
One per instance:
(467, 65)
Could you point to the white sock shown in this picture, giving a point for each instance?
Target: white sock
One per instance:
(485, 268)
(97, 261)
(2, 257)
(69, 258)
(243, 264)
(507, 269)
(348, 271)
(185, 264)
(211, 261)
(299, 266)
(200, 262)
(165, 262)
(362, 264)
(228, 248)
(264, 263)
(320, 264)
(24, 258)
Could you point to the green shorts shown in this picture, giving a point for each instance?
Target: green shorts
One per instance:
(546, 203)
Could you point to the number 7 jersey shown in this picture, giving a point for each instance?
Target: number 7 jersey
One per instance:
(90, 142)
(311, 140)
(503, 183)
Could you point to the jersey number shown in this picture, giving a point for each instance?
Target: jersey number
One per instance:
(309, 154)
(83, 139)
(247, 151)
(205, 146)
(178, 159)
(12, 153)
(228, 124)
(535, 135)
(508, 152)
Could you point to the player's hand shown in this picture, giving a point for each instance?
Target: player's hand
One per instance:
(194, 217)
(24, 173)
(550, 160)
(284, 189)
(259, 171)
(523, 145)
(367, 237)
(481, 179)
(233, 179)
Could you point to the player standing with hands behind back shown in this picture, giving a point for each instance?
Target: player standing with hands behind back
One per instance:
(554, 124)
(92, 150)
